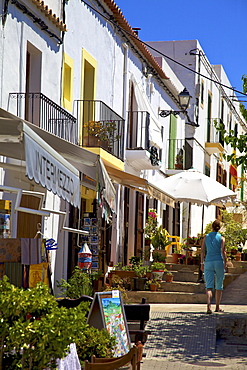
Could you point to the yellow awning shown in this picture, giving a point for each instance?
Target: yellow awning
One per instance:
(139, 184)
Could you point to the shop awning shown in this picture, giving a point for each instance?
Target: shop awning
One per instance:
(139, 184)
(77, 159)
(43, 164)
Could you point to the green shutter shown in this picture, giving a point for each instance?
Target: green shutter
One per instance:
(172, 141)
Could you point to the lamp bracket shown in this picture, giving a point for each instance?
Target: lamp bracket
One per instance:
(166, 113)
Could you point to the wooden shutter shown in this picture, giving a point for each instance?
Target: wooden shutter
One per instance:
(139, 224)
(27, 222)
(126, 225)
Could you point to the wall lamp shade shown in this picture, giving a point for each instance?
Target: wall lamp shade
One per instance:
(184, 100)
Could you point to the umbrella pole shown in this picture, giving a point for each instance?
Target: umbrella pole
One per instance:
(202, 217)
(188, 231)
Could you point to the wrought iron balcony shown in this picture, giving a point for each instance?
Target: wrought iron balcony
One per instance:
(179, 155)
(45, 113)
(139, 152)
(138, 130)
(100, 127)
(214, 143)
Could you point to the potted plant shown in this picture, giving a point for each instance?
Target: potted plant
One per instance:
(153, 284)
(141, 276)
(150, 228)
(179, 161)
(169, 277)
(122, 271)
(103, 132)
(160, 241)
(158, 269)
(175, 255)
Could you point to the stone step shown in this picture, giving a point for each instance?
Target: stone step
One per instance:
(179, 267)
(185, 275)
(166, 297)
(229, 278)
(237, 270)
(178, 286)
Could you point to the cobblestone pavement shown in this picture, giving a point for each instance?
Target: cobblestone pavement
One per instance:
(188, 341)
(184, 336)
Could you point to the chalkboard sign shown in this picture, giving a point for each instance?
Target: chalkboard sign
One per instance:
(107, 311)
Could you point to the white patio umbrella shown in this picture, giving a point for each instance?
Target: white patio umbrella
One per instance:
(194, 187)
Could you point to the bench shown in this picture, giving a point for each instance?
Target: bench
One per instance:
(115, 363)
(137, 316)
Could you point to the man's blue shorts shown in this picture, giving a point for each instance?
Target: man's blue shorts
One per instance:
(214, 269)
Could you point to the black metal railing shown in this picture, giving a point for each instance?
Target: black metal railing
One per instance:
(100, 126)
(45, 113)
(138, 130)
(214, 136)
(180, 154)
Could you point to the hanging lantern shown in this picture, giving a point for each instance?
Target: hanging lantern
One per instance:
(85, 257)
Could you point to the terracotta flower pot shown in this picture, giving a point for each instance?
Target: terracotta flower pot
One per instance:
(238, 256)
(153, 287)
(175, 257)
(169, 278)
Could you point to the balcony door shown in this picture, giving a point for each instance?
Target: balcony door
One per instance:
(139, 231)
(88, 93)
(33, 84)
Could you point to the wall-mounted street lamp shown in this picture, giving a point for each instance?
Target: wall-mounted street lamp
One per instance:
(184, 99)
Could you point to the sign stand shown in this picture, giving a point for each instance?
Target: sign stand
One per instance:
(107, 312)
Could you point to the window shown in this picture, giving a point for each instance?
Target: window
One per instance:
(67, 83)
(209, 117)
(202, 93)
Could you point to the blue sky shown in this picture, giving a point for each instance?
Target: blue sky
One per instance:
(219, 25)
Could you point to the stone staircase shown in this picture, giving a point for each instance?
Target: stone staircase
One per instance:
(184, 288)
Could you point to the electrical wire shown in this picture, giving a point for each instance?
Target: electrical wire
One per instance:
(110, 20)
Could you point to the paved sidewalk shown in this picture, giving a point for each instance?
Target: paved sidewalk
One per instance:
(184, 336)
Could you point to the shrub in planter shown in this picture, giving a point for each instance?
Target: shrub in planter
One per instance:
(94, 342)
(34, 332)
(158, 269)
(80, 283)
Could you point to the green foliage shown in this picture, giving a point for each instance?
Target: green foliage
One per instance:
(208, 228)
(158, 257)
(119, 267)
(95, 342)
(140, 270)
(233, 232)
(236, 142)
(120, 288)
(154, 282)
(160, 238)
(134, 260)
(242, 107)
(37, 342)
(80, 283)
(34, 332)
(158, 266)
(104, 130)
